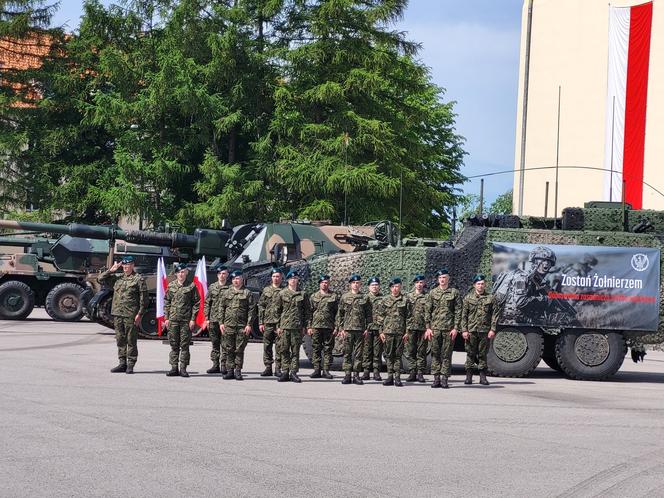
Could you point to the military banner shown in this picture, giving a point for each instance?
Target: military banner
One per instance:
(615, 288)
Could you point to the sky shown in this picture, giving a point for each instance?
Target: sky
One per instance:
(472, 50)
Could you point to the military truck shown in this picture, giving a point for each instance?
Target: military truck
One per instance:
(554, 316)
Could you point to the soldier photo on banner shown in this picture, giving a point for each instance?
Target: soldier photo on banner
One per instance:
(615, 288)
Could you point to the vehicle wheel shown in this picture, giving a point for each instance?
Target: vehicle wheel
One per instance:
(590, 355)
(549, 354)
(147, 329)
(64, 303)
(104, 316)
(16, 300)
(515, 351)
(86, 295)
(337, 352)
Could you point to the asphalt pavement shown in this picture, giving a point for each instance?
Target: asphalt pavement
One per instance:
(68, 427)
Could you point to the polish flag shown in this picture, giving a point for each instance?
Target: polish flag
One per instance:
(162, 285)
(627, 96)
(200, 281)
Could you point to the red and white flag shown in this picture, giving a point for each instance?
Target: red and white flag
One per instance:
(200, 281)
(626, 99)
(162, 285)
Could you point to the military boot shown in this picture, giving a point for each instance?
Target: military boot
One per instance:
(229, 375)
(346, 379)
(295, 378)
(130, 369)
(436, 381)
(376, 375)
(238, 374)
(483, 380)
(412, 377)
(173, 372)
(469, 377)
(277, 370)
(183, 370)
(222, 369)
(365, 375)
(443, 382)
(327, 375)
(357, 379)
(267, 372)
(215, 369)
(122, 367)
(315, 374)
(283, 377)
(420, 378)
(389, 381)
(397, 380)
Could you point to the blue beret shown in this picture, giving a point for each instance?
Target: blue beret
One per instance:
(181, 266)
(394, 281)
(322, 278)
(275, 270)
(127, 259)
(478, 278)
(292, 274)
(354, 278)
(236, 273)
(442, 271)
(373, 280)
(418, 278)
(220, 268)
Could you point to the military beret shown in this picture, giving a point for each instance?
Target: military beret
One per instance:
(236, 273)
(442, 271)
(220, 268)
(373, 280)
(478, 278)
(354, 278)
(181, 266)
(292, 274)
(127, 259)
(418, 278)
(395, 281)
(276, 270)
(323, 278)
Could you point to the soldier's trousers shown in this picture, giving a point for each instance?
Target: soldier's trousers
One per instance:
(270, 339)
(236, 341)
(441, 353)
(322, 342)
(417, 351)
(477, 347)
(179, 337)
(291, 340)
(353, 348)
(373, 351)
(393, 351)
(218, 352)
(126, 337)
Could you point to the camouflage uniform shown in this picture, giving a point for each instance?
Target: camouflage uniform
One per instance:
(479, 315)
(237, 309)
(211, 311)
(373, 346)
(416, 326)
(392, 316)
(354, 317)
(293, 310)
(130, 298)
(267, 316)
(181, 305)
(443, 313)
(322, 313)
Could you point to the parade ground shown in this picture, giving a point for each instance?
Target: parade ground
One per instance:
(71, 428)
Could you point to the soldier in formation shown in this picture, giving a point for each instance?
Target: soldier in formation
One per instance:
(353, 320)
(267, 324)
(323, 306)
(130, 298)
(479, 318)
(443, 320)
(417, 344)
(181, 305)
(373, 346)
(212, 319)
(391, 319)
(237, 313)
(293, 311)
